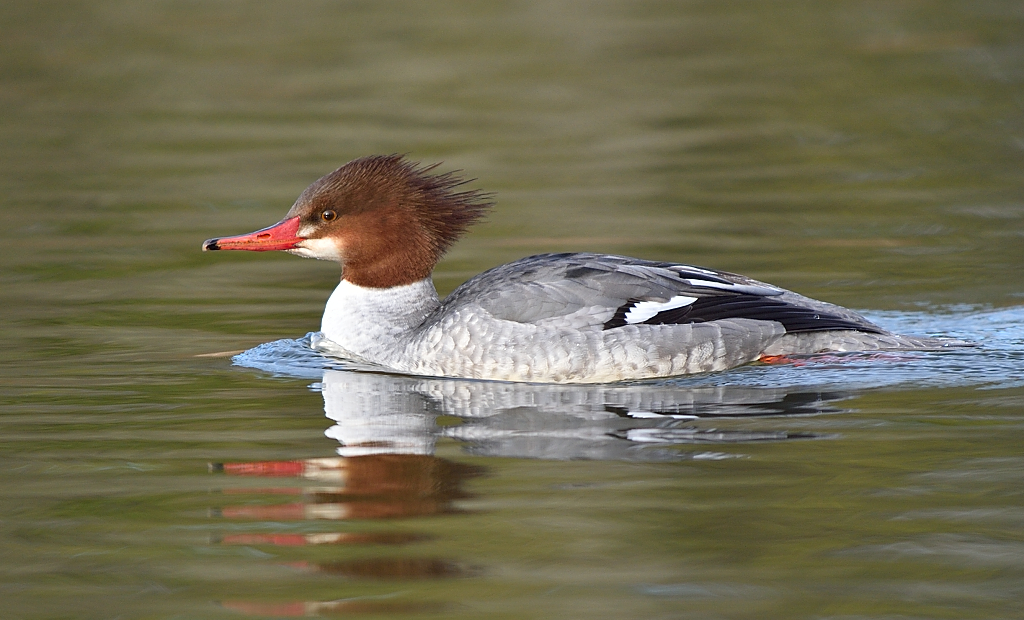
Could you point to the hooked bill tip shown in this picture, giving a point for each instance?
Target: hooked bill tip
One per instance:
(210, 245)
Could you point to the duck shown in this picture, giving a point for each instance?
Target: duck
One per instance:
(551, 318)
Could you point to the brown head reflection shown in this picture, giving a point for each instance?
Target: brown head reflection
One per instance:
(389, 568)
(379, 486)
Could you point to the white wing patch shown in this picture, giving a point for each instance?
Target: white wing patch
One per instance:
(722, 286)
(766, 290)
(646, 309)
(694, 269)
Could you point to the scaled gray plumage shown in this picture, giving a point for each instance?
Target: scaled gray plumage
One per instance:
(548, 318)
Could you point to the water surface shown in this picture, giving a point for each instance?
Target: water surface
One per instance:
(867, 154)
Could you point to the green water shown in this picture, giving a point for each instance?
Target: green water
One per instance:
(869, 154)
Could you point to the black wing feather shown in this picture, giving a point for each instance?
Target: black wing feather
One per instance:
(712, 308)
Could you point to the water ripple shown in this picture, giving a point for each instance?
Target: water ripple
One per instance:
(998, 361)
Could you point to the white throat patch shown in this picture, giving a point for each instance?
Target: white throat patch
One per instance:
(321, 249)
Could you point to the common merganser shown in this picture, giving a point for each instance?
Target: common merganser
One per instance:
(553, 318)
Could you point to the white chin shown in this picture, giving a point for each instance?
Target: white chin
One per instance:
(320, 249)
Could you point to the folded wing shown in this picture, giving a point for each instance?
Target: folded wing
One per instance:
(614, 291)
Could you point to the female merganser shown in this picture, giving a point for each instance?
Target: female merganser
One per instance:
(561, 318)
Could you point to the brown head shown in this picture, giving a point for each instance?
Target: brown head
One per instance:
(386, 219)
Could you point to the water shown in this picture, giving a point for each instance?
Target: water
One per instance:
(865, 154)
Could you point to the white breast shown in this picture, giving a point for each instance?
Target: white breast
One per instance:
(372, 323)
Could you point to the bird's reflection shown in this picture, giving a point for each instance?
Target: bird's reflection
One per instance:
(386, 414)
(387, 428)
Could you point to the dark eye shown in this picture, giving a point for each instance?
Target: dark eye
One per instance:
(328, 215)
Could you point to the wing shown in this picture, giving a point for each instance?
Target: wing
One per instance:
(614, 291)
